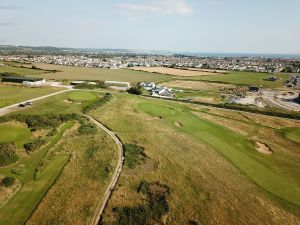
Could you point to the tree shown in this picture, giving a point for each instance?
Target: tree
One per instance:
(135, 90)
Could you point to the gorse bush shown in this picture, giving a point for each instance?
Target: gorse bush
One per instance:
(8, 154)
(133, 155)
(87, 128)
(35, 145)
(38, 122)
(150, 212)
(90, 86)
(8, 181)
(98, 103)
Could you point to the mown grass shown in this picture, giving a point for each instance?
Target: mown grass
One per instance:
(61, 103)
(206, 186)
(84, 73)
(14, 94)
(33, 190)
(246, 78)
(11, 132)
(293, 134)
(267, 172)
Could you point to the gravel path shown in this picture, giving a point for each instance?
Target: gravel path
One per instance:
(116, 174)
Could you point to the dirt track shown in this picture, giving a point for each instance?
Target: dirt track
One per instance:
(116, 174)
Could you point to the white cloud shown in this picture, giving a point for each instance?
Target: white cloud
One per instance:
(169, 7)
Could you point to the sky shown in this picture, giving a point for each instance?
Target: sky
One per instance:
(234, 26)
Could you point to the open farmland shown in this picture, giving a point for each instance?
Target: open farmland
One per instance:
(196, 85)
(84, 73)
(213, 170)
(173, 72)
(16, 69)
(11, 94)
(247, 78)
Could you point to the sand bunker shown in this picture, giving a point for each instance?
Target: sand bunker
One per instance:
(263, 148)
(178, 124)
(68, 101)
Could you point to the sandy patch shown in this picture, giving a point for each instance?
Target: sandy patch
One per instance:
(263, 148)
(68, 101)
(177, 124)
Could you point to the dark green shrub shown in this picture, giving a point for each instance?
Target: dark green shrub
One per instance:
(150, 212)
(100, 84)
(133, 155)
(8, 154)
(135, 90)
(8, 181)
(87, 128)
(98, 103)
(35, 145)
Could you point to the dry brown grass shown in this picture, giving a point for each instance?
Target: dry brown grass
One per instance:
(205, 187)
(8, 192)
(75, 196)
(173, 72)
(208, 70)
(196, 85)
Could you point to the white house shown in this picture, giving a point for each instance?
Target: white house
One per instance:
(148, 85)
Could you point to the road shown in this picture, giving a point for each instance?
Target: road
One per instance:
(15, 107)
(286, 103)
(119, 167)
(116, 174)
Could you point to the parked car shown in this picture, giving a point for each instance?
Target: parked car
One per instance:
(28, 103)
(22, 105)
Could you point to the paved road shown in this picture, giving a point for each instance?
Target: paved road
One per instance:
(15, 107)
(116, 174)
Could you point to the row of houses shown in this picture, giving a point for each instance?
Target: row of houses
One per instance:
(157, 90)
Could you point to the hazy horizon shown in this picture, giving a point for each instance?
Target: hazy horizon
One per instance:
(205, 26)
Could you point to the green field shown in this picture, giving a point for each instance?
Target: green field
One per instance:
(70, 102)
(212, 171)
(50, 172)
(205, 156)
(14, 133)
(238, 149)
(25, 200)
(245, 78)
(293, 134)
(84, 73)
(17, 69)
(10, 95)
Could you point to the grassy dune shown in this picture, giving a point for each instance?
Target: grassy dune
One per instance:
(75, 196)
(212, 171)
